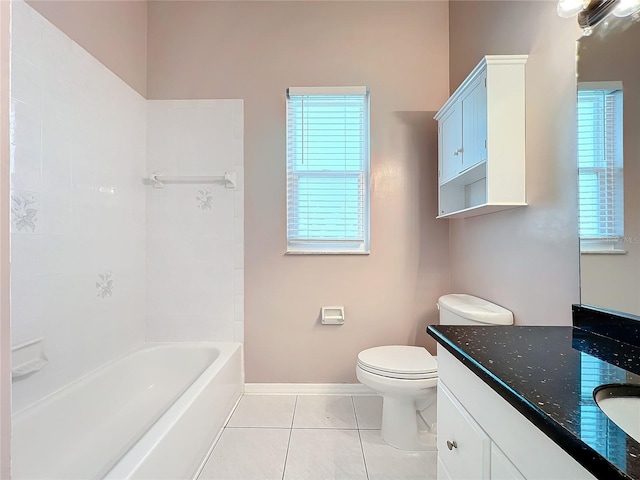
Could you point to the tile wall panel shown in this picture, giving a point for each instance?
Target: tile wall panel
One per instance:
(78, 152)
(101, 262)
(195, 232)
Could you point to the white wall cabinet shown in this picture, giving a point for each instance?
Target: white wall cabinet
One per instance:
(450, 142)
(493, 441)
(481, 140)
(474, 124)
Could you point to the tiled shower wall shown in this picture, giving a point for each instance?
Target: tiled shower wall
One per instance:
(100, 261)
(78, 149)
(195, 269)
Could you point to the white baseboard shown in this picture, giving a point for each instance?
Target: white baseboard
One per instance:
(307, 389)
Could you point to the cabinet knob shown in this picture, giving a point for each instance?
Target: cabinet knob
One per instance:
(451, 445)
(458, 151)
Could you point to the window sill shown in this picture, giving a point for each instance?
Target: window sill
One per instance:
(603, 252)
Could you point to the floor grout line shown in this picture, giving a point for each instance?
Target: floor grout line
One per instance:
(326, 428)
(365, 414)
(355, 412)
(286, 454)
(364, 458)
(233, 412)
(295, 407)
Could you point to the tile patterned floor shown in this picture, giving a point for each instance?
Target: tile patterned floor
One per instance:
(311, 437)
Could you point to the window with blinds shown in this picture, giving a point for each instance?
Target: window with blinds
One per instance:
(595, 428)
(600, 168)
(328, 170)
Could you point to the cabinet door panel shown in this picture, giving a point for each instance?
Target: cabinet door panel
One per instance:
(463, 446)
(527, 448)
(501, 467)
(443, 473)
(474, 125)
(451, 143)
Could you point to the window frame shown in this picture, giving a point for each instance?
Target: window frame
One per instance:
(341, 246)
(606, 244)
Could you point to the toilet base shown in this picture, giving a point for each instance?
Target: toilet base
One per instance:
(400, 425)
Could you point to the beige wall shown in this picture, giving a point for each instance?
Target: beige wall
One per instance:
(613, 281)
(525, 259)
(115, 32)
(5, 334)
(254, 51)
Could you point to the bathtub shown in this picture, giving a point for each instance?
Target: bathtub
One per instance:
(154, 413)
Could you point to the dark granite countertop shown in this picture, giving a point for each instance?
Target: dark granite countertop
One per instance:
(548, 374)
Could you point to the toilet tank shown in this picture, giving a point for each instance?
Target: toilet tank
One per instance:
(461, 309)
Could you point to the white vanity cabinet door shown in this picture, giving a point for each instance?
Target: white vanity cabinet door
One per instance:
(517, 449)
(474, 124)
(443, 473)
(450, 143)
(501, 467)
(463, 447)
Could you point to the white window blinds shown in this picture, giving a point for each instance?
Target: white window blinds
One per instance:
(600, 166)
(328, 170)
(594, 425)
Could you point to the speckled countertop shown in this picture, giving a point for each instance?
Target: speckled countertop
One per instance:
(548, 374)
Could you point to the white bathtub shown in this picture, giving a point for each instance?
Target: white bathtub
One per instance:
(152, 414)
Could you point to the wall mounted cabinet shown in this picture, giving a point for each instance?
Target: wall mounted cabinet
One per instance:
(481, 140)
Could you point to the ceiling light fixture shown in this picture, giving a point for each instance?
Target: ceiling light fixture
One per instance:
(570, 8)
(625, 8)
(595, 12)
(592, 12)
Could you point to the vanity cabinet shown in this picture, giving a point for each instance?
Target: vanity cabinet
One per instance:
(489, 438)
(501, 466)
(481, 140)
(464, 448)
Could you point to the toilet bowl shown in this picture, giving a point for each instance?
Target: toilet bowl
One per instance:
(406, 376)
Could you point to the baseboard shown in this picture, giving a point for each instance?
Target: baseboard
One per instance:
(307, 389)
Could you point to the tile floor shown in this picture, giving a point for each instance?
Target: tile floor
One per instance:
(311, 437)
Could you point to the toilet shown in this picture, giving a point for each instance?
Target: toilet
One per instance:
(406, 376)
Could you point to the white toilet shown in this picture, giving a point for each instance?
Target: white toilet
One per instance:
(406, 377)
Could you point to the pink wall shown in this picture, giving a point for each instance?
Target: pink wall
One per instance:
(254, 51)
(115, 32)
(525, 259)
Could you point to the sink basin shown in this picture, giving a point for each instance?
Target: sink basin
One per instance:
(621, 403)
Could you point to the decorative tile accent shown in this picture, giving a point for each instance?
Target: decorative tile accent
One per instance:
(104, 285)
(23, 211)
(205, 199)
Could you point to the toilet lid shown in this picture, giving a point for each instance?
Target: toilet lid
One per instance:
(399, 361)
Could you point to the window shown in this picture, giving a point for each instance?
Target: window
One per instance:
(595, 428)
(328, 170)
(600, 167)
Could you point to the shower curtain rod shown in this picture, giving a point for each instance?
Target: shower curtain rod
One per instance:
(157, 180)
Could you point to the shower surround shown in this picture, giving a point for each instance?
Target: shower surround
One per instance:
(100, 261)
(195, 254)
